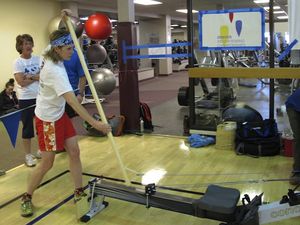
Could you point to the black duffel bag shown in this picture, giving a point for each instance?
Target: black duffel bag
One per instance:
(258, 146)
(258, 138)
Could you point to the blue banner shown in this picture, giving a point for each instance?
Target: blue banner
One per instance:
(11, 122)
(153, 56)
(287, 50)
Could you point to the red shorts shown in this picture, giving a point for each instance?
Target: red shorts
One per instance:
(52, 135)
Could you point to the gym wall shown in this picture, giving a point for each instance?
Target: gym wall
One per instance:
(281, 27)
(19, 17)
(179, 35)
(148, 34)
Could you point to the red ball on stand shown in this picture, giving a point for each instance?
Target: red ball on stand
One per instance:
(98, 27)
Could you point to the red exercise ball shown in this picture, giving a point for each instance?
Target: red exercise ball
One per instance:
(98, 26)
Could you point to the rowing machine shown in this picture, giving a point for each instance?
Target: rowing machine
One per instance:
(218, 203)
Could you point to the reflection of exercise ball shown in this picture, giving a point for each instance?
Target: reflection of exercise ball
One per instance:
(96, 54)
(104, 81)
(57, 23)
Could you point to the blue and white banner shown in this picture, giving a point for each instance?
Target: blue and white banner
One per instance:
(156, 51)
(234, 29)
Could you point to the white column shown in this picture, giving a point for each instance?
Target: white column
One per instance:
(294, 29)
(165, 65)
(126, 11)
(294, 17)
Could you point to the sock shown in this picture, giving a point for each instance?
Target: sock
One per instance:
(26, 196)
(78, 190)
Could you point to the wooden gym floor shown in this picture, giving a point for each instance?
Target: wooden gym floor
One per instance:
(186, 168)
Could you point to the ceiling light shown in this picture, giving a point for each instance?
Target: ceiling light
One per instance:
(147, 2)
(278, 12)
(282, 17)
(261, 1)
(274, 7)
(183, 26)
(113, 20)
(174, 25)
(185, 11)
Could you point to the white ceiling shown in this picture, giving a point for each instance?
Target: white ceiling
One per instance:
(87, 7)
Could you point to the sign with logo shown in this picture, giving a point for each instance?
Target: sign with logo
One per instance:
(234, 29)
(276, 211)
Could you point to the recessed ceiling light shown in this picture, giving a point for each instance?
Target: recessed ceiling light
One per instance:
(185, 11)
(261, 1)
(147, 2)
(275, 7)
(282, 17)
(278, 12)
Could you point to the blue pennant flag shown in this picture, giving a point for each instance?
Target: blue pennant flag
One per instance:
(11, 123)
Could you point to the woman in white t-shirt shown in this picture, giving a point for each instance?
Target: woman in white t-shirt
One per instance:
(26, 71)
(54, 127)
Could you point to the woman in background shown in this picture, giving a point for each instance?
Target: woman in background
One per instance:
(8, 98)
(26, 71)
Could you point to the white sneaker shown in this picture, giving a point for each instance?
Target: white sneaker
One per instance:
(38, 154)
(30, 161)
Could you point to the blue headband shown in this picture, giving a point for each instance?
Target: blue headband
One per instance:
(62, 41)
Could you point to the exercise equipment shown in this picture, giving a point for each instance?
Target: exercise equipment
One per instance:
(104, 81)
(98, 26)
(112, 51)
(96, 54)
(57, 23)
(179, 50)
(218, 98)
(221, 96)
(241, 113)
(217, 203)
(183, 96)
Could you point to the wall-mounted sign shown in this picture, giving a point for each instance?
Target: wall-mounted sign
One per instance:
(234, 29)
